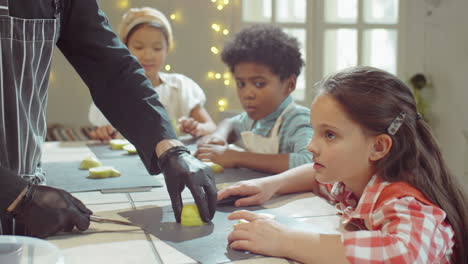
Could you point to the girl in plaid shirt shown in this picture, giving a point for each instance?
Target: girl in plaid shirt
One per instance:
(376, 158)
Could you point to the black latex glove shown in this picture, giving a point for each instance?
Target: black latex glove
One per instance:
(45, 211)
(181, 169)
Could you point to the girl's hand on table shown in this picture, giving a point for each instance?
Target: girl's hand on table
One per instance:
(260, 235)
(258, 191)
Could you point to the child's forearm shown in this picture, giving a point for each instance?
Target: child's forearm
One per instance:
(270, 163)
(309, 247)
(299, 179)
(207, 127)
(224, 130)
(204, 119)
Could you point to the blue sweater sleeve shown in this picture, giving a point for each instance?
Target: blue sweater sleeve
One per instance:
(296, 134)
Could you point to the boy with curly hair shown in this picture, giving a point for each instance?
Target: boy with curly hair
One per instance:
(273, 130)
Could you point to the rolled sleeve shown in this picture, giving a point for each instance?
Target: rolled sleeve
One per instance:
(191, 95)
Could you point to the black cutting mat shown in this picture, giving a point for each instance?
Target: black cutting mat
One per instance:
(208, 243)
(103, 151)
(240, 174)
(68, 176)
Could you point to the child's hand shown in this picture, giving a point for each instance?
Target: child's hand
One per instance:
(193, 127)
(258, 191)
(189, 125)
(217, 154)
(261, 235)
(104, 133)
(212, 139)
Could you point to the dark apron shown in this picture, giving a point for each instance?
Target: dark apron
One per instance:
(26, 47)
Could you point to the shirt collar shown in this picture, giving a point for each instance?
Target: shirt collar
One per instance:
(268, 121)
(166, 80)
(366, 203)
(278, 110)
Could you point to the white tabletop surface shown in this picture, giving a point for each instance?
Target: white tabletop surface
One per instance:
(107, 243)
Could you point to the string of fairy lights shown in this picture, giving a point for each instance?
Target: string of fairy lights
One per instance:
(223, 31)
(224, 76)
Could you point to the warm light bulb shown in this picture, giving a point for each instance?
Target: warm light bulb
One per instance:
(216, 27)
(226, 2)
(220, 7)
(213, 1)
(227, 82)
(167, 67)
(226, 75)
(211, 75)
(122, 4)
(215, 50)
(218, 75)
(225, 31)
(173, 16)
(222, 104)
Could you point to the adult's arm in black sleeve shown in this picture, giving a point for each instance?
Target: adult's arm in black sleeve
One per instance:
(116, 80)
(126, 97)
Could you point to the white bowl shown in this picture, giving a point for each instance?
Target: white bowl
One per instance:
(21, 249)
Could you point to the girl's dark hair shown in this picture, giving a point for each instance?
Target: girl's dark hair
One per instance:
(265, 44)
(374, 98)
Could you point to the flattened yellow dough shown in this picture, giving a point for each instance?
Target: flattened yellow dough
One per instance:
(130, 149)
(89, 162)
(190, 216)
(103, 172)
(118, 143)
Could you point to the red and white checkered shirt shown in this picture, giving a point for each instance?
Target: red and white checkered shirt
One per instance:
(402, 230)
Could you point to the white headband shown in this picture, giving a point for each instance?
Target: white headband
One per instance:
(145, 15)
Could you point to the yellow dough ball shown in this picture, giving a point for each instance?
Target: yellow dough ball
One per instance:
(118, 143)
(215, 167)
(103, 172)
(190, 216)
(176, 127)
(89, 162)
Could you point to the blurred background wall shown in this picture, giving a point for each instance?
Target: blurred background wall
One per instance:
(433, 40)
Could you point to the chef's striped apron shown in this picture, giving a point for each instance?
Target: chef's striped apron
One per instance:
(26, 47)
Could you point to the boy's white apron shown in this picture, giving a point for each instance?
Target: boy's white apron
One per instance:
(265, 145)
